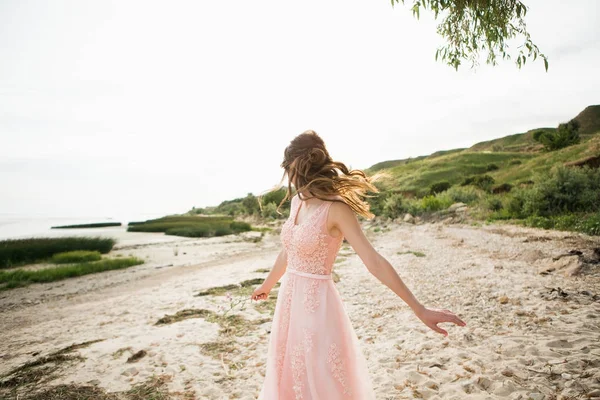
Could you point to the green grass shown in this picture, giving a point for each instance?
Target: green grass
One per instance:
(191, 226)
(519, 157)
(94, 225)
(16, 252)
(419, 176)
(21, 277)
(544, 161)
(77, 256)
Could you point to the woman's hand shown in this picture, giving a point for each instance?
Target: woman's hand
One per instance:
(260, 293)
(432, 317)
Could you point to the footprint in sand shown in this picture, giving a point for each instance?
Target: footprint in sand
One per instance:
(560, 343)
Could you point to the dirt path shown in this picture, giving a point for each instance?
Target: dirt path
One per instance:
(525, 337)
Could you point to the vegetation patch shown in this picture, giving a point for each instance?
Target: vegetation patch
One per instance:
(154, 388)
(214, 349)
(245, 288)
(266, 206)
(218, 290)
(15, 252)
(414, 253)
(191, 226)
(21, 277)
(41, 370)
(336, 276)
(231, 325)
(137, 356)
(122, 350)
(94, 225)
(184, 314)
(268, 305)
(78, 256)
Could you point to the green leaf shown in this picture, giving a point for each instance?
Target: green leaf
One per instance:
(546, 64)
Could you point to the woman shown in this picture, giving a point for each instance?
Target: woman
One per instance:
(313, 350)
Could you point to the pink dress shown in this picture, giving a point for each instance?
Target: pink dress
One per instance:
(313, 351)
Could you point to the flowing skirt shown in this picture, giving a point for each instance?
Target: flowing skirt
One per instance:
(313, 351)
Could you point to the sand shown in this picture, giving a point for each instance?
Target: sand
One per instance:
(533, 323)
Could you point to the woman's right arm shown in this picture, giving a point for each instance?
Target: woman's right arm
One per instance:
(261, 292)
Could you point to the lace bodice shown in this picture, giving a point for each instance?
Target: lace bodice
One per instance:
(309, 246)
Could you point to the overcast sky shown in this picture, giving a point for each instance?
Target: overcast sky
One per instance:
(130, 107)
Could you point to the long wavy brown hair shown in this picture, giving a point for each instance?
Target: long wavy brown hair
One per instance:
(310, 168)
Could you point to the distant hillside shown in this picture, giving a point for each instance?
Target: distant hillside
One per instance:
(519, 142)
(589, 120)
(510, 159)
(393, 163)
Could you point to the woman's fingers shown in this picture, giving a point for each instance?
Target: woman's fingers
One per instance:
(258, 296)
(438, 329)
(451, 317)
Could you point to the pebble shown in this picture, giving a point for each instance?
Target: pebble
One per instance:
(130, 371)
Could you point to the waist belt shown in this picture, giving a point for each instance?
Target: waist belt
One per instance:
(308, 275)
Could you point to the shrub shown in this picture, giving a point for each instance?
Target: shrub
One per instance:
(502, 188)
(590, 225)
(516, 162)
(275, 196)
(502, 214)
(565, 135)
(493, 203)
(515, 203)
(536, 221)
(250, 203)
(439, 187)
(240, 226)
(393, 206)
(270, 211)
(189, 231)
(432, 203)
(492, 167)
(78, 256)
(563, 190)
(465, 194)
(223, 231)
(481, 181)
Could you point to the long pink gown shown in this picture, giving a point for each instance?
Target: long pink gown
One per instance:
(313, 351)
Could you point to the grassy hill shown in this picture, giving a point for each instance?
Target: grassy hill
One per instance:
(509, 178)
(510, 159)
(589, 120)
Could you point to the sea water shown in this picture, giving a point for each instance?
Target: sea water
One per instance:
(14, 226)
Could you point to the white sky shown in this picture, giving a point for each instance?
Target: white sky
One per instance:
(131, 107)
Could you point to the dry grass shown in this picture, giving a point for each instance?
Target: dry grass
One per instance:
(154, 388)
(41, 370)
(184, 314)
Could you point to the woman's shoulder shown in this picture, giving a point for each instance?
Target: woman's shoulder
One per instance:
(336, 199)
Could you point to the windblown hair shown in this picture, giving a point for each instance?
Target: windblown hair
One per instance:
(309, 166)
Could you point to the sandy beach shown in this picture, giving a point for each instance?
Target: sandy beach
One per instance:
(532, 311)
